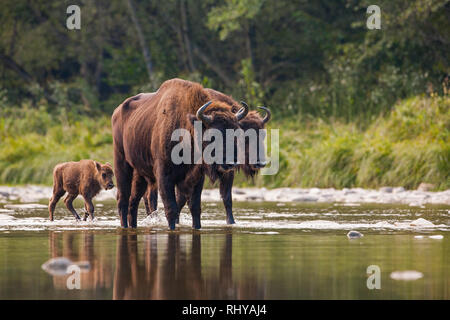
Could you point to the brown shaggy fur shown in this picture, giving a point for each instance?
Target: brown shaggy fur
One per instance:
(85, 177)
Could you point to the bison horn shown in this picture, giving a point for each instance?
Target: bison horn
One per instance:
(268, 114)
(200, 116)
(242, 112)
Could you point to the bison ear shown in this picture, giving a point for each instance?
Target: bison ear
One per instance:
(108, 164)
(98, 166)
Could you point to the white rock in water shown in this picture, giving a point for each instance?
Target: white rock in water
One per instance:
(57, 266)
(354, 235)
(407, 275)
(437, 237)
(418, 237)
(421, 223)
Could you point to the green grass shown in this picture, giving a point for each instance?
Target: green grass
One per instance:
(404, 148)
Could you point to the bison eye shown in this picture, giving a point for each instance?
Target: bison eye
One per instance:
(103, 175)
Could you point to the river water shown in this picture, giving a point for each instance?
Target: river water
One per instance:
(275, 251)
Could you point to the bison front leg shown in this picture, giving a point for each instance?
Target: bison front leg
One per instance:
(226, 184)
(181, 201)
(195, 204)
(123, 173)
(138, 187)
(167, 192)
(151, 199)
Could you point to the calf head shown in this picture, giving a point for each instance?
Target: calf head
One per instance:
(104, 175)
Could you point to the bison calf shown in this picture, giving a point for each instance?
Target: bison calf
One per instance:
(85, 177)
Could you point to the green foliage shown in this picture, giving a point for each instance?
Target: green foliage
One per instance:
(34, 141)
(409, 146)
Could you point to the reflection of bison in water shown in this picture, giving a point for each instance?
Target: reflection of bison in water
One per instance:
(251, 121)
(85, 177)
(142, 130)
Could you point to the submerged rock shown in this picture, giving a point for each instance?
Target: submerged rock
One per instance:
(354, 234)
(407, 275)
(57, 266)
(436, 237)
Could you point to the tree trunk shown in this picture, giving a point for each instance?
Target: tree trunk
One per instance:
(187, 42)
(140, 34)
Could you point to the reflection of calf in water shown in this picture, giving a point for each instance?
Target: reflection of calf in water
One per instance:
(66, 245)
(175, 272)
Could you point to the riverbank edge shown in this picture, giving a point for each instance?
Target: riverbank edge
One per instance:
(386, 195)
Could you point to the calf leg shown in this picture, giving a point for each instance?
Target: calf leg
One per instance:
(57, 194)
(226, 184)
(89, 207)
(138, 188)
(68, 201)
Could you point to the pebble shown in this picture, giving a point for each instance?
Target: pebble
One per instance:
(354, 235)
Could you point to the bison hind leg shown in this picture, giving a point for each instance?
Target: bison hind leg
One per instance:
(57, 194)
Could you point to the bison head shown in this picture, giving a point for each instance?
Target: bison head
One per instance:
(105, 175)
(219, 116)
(254, 121)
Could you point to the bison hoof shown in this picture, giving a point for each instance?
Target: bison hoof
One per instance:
(196, 226)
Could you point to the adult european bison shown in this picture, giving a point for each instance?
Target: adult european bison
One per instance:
(142, 128)
(253, 120)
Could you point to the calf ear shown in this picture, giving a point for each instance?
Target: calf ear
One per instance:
(98, 166)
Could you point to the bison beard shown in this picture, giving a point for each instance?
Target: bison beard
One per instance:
(252, 121)
(142, 127)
